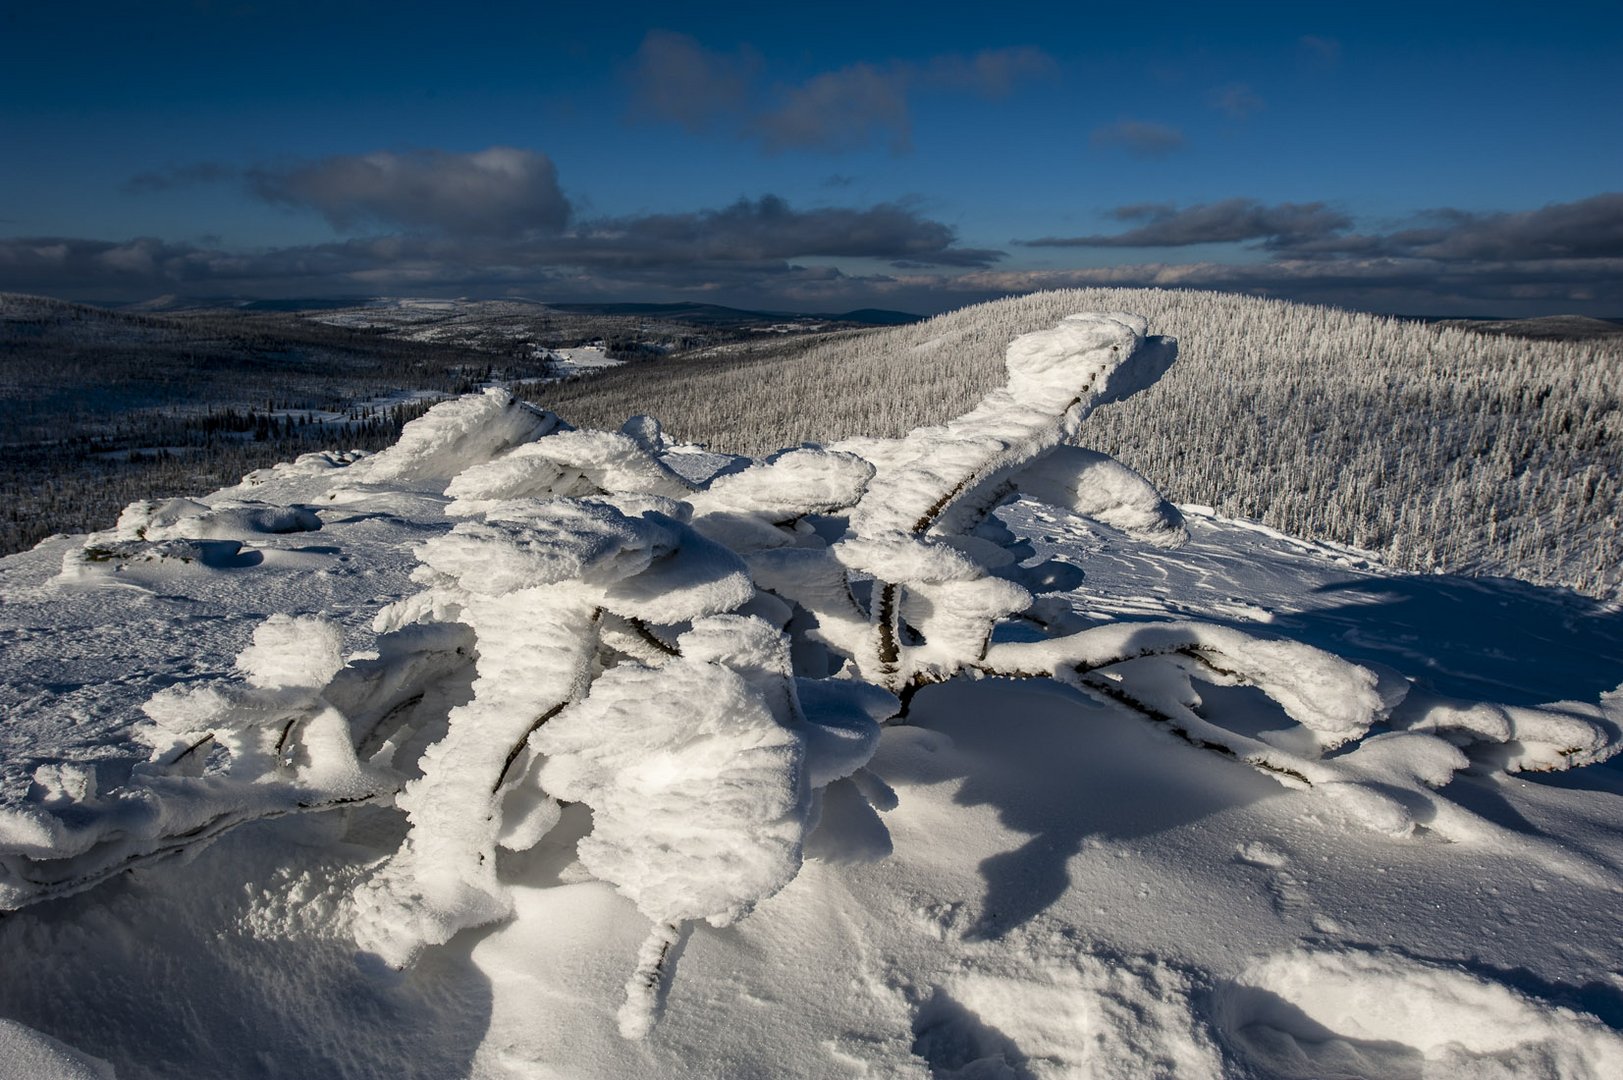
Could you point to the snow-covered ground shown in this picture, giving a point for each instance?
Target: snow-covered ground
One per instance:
(582, 360)
(423, 319)
(1057, 884)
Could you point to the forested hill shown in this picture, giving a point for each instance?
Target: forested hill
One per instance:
(1433, 446)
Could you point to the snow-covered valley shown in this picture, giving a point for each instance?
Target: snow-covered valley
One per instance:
(1280, 812)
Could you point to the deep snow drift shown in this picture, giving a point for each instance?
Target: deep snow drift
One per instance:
(521, 750)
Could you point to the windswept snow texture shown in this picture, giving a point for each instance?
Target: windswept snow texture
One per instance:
(576, 730)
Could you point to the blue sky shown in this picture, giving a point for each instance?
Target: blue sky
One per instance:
(1417, 158)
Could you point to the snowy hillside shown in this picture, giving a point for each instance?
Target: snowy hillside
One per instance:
(522, 750)
(1438, 447)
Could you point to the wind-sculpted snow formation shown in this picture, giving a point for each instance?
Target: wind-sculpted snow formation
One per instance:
(705, 663)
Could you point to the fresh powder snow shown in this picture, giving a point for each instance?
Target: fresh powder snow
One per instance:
(518, 750)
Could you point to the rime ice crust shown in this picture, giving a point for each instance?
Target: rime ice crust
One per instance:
(292, 653)
(1098, 486)
(460, 434)
(695, 772)
(567, 463)
(945, 478)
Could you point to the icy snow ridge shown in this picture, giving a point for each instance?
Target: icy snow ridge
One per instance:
(706, 666)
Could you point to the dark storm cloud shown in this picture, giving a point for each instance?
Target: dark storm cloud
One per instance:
(749, 244)
(1284, 225)
(665, 257)
(503, 207)
(589, 268)
(675, 78)
(133, 268)
(1301, 276)
(1139, 138)
(1587, 229)
(1566, 254)
(494, 192)
(769, 229)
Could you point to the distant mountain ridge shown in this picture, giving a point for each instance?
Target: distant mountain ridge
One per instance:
(682, 311)
(1543, 328)
(717, 313)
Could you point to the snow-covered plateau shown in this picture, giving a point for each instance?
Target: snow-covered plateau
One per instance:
(522, 750)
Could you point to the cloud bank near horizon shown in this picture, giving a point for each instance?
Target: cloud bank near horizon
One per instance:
(499, 221)
(1589, 228)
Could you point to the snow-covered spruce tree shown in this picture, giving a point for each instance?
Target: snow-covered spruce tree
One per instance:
(706, 665)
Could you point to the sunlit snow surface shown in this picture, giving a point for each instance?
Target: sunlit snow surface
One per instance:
(1072, 892)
